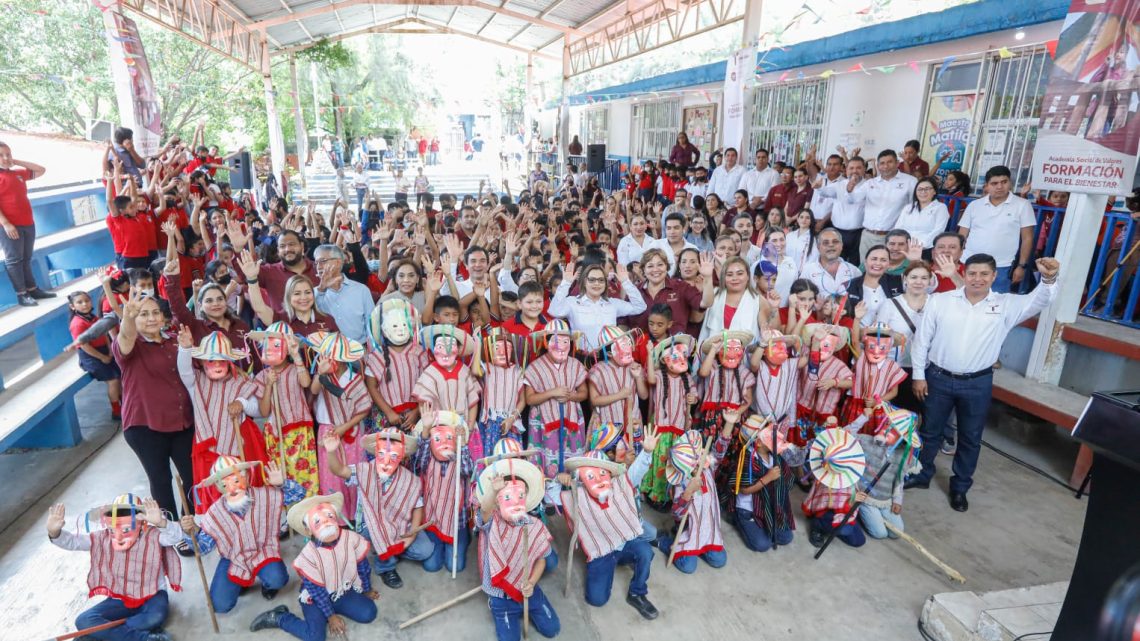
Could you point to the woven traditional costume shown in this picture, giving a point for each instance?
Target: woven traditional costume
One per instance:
(501, 382)
(509, 549)
(815, 406)
(726, 387)
(132, 579)
(342, 397)
(609, 376)
(246, 537)
(776, 392)
(446, 384)
(290, 403)
(669, 412)
(701, 512)
(875, 373)
(395, 361)
(556, 428)
(439, 489)
(216, 433)
(765, 516)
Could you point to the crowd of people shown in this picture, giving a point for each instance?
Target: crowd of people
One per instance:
(423, 376)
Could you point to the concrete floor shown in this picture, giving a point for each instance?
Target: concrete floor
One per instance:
(1021, 530)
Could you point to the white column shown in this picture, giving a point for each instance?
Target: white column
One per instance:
(751, 22)
(276, 142)
(528, 100)
(301, 138)
(564, 109)
(1075, 249)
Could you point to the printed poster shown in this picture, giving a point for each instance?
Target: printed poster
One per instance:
(740, 67)
(947, 133)
(1087, 140)
(134, 87)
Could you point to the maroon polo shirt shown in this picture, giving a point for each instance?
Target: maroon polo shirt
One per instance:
(153, 395)
(272, 279)
(680, 296)
(321, 323)
(797, 200)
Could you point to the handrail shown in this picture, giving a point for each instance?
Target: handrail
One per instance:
(1113, 265)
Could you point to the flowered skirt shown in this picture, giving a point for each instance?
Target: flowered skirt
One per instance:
(300, 449)
(654, 485)
(350, 452)
(573, 444)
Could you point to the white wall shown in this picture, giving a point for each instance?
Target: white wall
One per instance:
(621, 117)
(874, 112)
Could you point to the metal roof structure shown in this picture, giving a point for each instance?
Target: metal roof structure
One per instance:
(584, 34)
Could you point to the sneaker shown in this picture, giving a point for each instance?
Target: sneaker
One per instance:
(816, 537)
(26, 301)
(642, 605)
(949, 446)
(40, 294)
(268, 593)
(157, 635)
(184, 548)
(269, 619)
(392, 579)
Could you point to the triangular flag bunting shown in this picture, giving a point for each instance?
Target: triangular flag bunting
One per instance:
(827, 74)
(1004, 53)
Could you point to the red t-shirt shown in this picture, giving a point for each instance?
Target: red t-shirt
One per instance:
(946, 284)
(213, 160)
(79, 325)
(514, 325)
(131, 236)
(14, 201)
(190, 268)
(193, 165)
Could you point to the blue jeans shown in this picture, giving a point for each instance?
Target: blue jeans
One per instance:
(361, 192)
(140, 621)
(421, 548)
(312, 624)
(755, 538)
(971, 400)
(688, 564)
(600, 571)
(872, 519)
(441, 553)
(507, 615)
(224, 592)
(648, 531)
(849, 533)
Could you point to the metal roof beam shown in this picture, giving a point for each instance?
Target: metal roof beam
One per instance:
(261, 25)
(204, 24)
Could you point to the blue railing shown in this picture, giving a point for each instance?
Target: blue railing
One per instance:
(1113, 264)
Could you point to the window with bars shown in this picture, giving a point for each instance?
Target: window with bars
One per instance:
(595, 126)
(787, 119)
(655, 128)
(1007, 133)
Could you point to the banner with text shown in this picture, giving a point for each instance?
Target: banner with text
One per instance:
(739, 68)
(134, 87)
(1089, 131)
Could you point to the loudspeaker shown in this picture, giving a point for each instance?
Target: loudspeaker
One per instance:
(241, 171)
(595, 158)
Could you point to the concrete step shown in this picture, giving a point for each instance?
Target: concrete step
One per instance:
(1001, 615)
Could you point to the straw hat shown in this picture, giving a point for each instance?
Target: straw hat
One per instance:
(337, 346)
(216, 346)
(280, 329)
(811, 329)
(836, 459)
(223, 467)
(604, 436)
(559, 327)
(296, 515)
(390, 434)
(518, 468)
(123, 505)
(883, 330)
(684, 457)
(506, 445)
(610, 335)
(718, 339)
(775, 335)
(665, 344)
(429, 334)
(444, 418)
(594, 458)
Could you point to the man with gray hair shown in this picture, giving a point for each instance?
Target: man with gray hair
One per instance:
(347, 301)
(830, 273)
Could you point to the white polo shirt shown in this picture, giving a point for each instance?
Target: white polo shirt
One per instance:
(996, 229)
(821, 205)
(846, 207)
(885, 199)
(828, 284)
(962, 337)
(724, 183)
(758, 182)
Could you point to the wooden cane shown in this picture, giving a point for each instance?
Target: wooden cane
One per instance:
(953, 574)
(573, 537)
(458, 504)
(95, 628)
(1119, 263)
(526, 578)
(685, 517)
(280, 429)
(198, 556)
(441, 607)
(419, 528)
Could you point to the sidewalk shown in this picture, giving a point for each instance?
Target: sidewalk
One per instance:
(1021, 530)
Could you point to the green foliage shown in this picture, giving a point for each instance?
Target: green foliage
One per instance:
(328, 55)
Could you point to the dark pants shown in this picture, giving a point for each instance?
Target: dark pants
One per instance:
(850, 532)
(361, 192)
(970, 399)
(755, 537)
(440, 557)
(139, 621)
(224, 592)
(851, 238)
(139, 262)
(18, 257)
(314, 626)
(600, 571)
(155, 451)
(507, 614)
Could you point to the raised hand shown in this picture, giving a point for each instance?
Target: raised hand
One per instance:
(55, 520)
(708, 266)
(185, 337)
(248, 265)
(152, 513)
(172, 267)
(914, 249)
(732, 416)
(274, 475)
(947, 267)
(649, 438)
(331, 442)
(169, 228)
(622, 273)
(1048, 268)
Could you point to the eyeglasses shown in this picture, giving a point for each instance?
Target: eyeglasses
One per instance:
(596, 280)
(325, 261)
